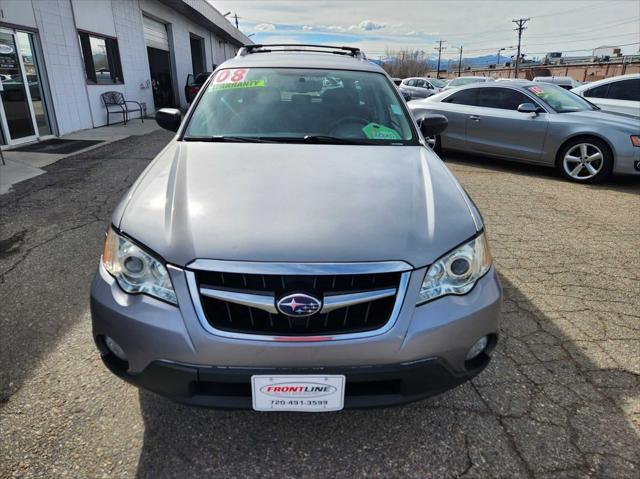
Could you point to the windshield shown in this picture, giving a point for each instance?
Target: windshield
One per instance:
(283, 104)
(437, 83)
(465, 81)
(561, 100)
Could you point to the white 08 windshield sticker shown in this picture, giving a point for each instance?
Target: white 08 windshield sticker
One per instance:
(231, 76)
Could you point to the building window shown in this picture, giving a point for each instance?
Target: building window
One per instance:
(101, 59)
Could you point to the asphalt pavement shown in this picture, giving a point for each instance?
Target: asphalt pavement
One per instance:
(561, 398)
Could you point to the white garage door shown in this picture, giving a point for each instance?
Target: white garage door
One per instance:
(155, 34)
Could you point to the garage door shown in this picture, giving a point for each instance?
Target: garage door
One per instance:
(155, 34)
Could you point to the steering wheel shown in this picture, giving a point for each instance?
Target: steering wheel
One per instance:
(356, 121)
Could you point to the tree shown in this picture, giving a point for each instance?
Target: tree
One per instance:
(406, 63)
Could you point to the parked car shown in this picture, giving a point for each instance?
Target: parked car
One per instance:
(295, 251)
(536, 123)
(564, 82)
(462, 81)
(193, 85)
(405, 94)
(620, 94)
(418, 87)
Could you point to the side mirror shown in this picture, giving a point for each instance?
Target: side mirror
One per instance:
(431, 125)
(169, 118)
(528, 108)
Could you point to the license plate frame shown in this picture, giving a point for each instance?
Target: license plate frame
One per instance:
(298, 393)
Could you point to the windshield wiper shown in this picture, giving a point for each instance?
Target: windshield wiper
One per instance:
(333, 139)
(231, 139)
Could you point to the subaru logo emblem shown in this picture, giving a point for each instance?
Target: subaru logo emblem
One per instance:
(298, 305)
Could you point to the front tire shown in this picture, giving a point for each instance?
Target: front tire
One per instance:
(585, 160)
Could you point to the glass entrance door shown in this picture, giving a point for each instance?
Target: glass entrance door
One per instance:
(22, 110)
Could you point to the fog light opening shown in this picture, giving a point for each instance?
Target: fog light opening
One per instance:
(478, 348)
(115, 348)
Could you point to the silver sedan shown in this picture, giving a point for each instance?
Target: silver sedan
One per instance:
(536, 123)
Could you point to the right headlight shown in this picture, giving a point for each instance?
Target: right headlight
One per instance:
(135, 270)
(457, 271)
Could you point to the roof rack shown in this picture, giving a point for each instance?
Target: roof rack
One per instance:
(301, 47)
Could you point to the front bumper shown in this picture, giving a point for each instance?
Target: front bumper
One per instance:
(167, 347)
(230, 388)
(627, 161)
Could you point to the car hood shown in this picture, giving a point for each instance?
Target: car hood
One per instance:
(606, 117)
(297, 203)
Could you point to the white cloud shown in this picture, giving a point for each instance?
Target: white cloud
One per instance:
(368, 26)
(335, 28)
(265, 27)
(307, 28)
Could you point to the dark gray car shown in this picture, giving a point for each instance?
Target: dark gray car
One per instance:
(537, 123)
(296, 247)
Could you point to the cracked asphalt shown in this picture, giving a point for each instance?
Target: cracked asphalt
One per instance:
(561, 398)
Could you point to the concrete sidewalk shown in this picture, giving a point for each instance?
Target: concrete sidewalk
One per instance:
(22, 165)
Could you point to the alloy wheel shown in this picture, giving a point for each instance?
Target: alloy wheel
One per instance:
(583, 161)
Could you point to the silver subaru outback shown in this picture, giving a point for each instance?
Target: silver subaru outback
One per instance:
(296, 247)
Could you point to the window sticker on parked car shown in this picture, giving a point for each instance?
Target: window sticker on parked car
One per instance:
(234, 78)
(242, 84)
(231, 75)
(375, 131)
(536, 90)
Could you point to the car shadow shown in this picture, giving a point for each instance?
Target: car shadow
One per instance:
(619, 183)
(542, 405)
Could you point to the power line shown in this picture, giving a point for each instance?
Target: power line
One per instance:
(584, 49)
(582, 8)
(590, 29)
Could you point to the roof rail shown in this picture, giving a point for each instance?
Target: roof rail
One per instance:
(301, 47)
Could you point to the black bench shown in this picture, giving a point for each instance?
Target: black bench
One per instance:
(115, 103)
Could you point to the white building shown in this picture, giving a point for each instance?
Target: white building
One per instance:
(58, 56)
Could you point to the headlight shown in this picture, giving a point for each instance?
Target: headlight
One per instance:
(135, 270)
(457, 271)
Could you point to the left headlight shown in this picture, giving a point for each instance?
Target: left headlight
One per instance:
(457, 271)
(135, 270)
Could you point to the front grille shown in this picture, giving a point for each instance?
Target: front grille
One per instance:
(233, 317)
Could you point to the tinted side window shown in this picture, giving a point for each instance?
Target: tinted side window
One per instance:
(597, 92)
(624, 90)
(464, 97)
(503, 98)
(411, 83)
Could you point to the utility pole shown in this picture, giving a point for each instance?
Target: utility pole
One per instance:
(460, 62)
(521, 26)
(439, 48)
(498, 62)
(235, 15)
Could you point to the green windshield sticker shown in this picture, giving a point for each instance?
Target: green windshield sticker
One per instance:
(240, 84)
(374, 131)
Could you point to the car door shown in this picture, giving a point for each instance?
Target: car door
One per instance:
(621, 96)
(496, 128)
(421, 89)
(409, 87)
(456, 108)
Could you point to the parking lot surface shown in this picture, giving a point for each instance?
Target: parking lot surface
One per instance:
(561, 397)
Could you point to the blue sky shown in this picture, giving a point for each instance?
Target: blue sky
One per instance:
(481, 27)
